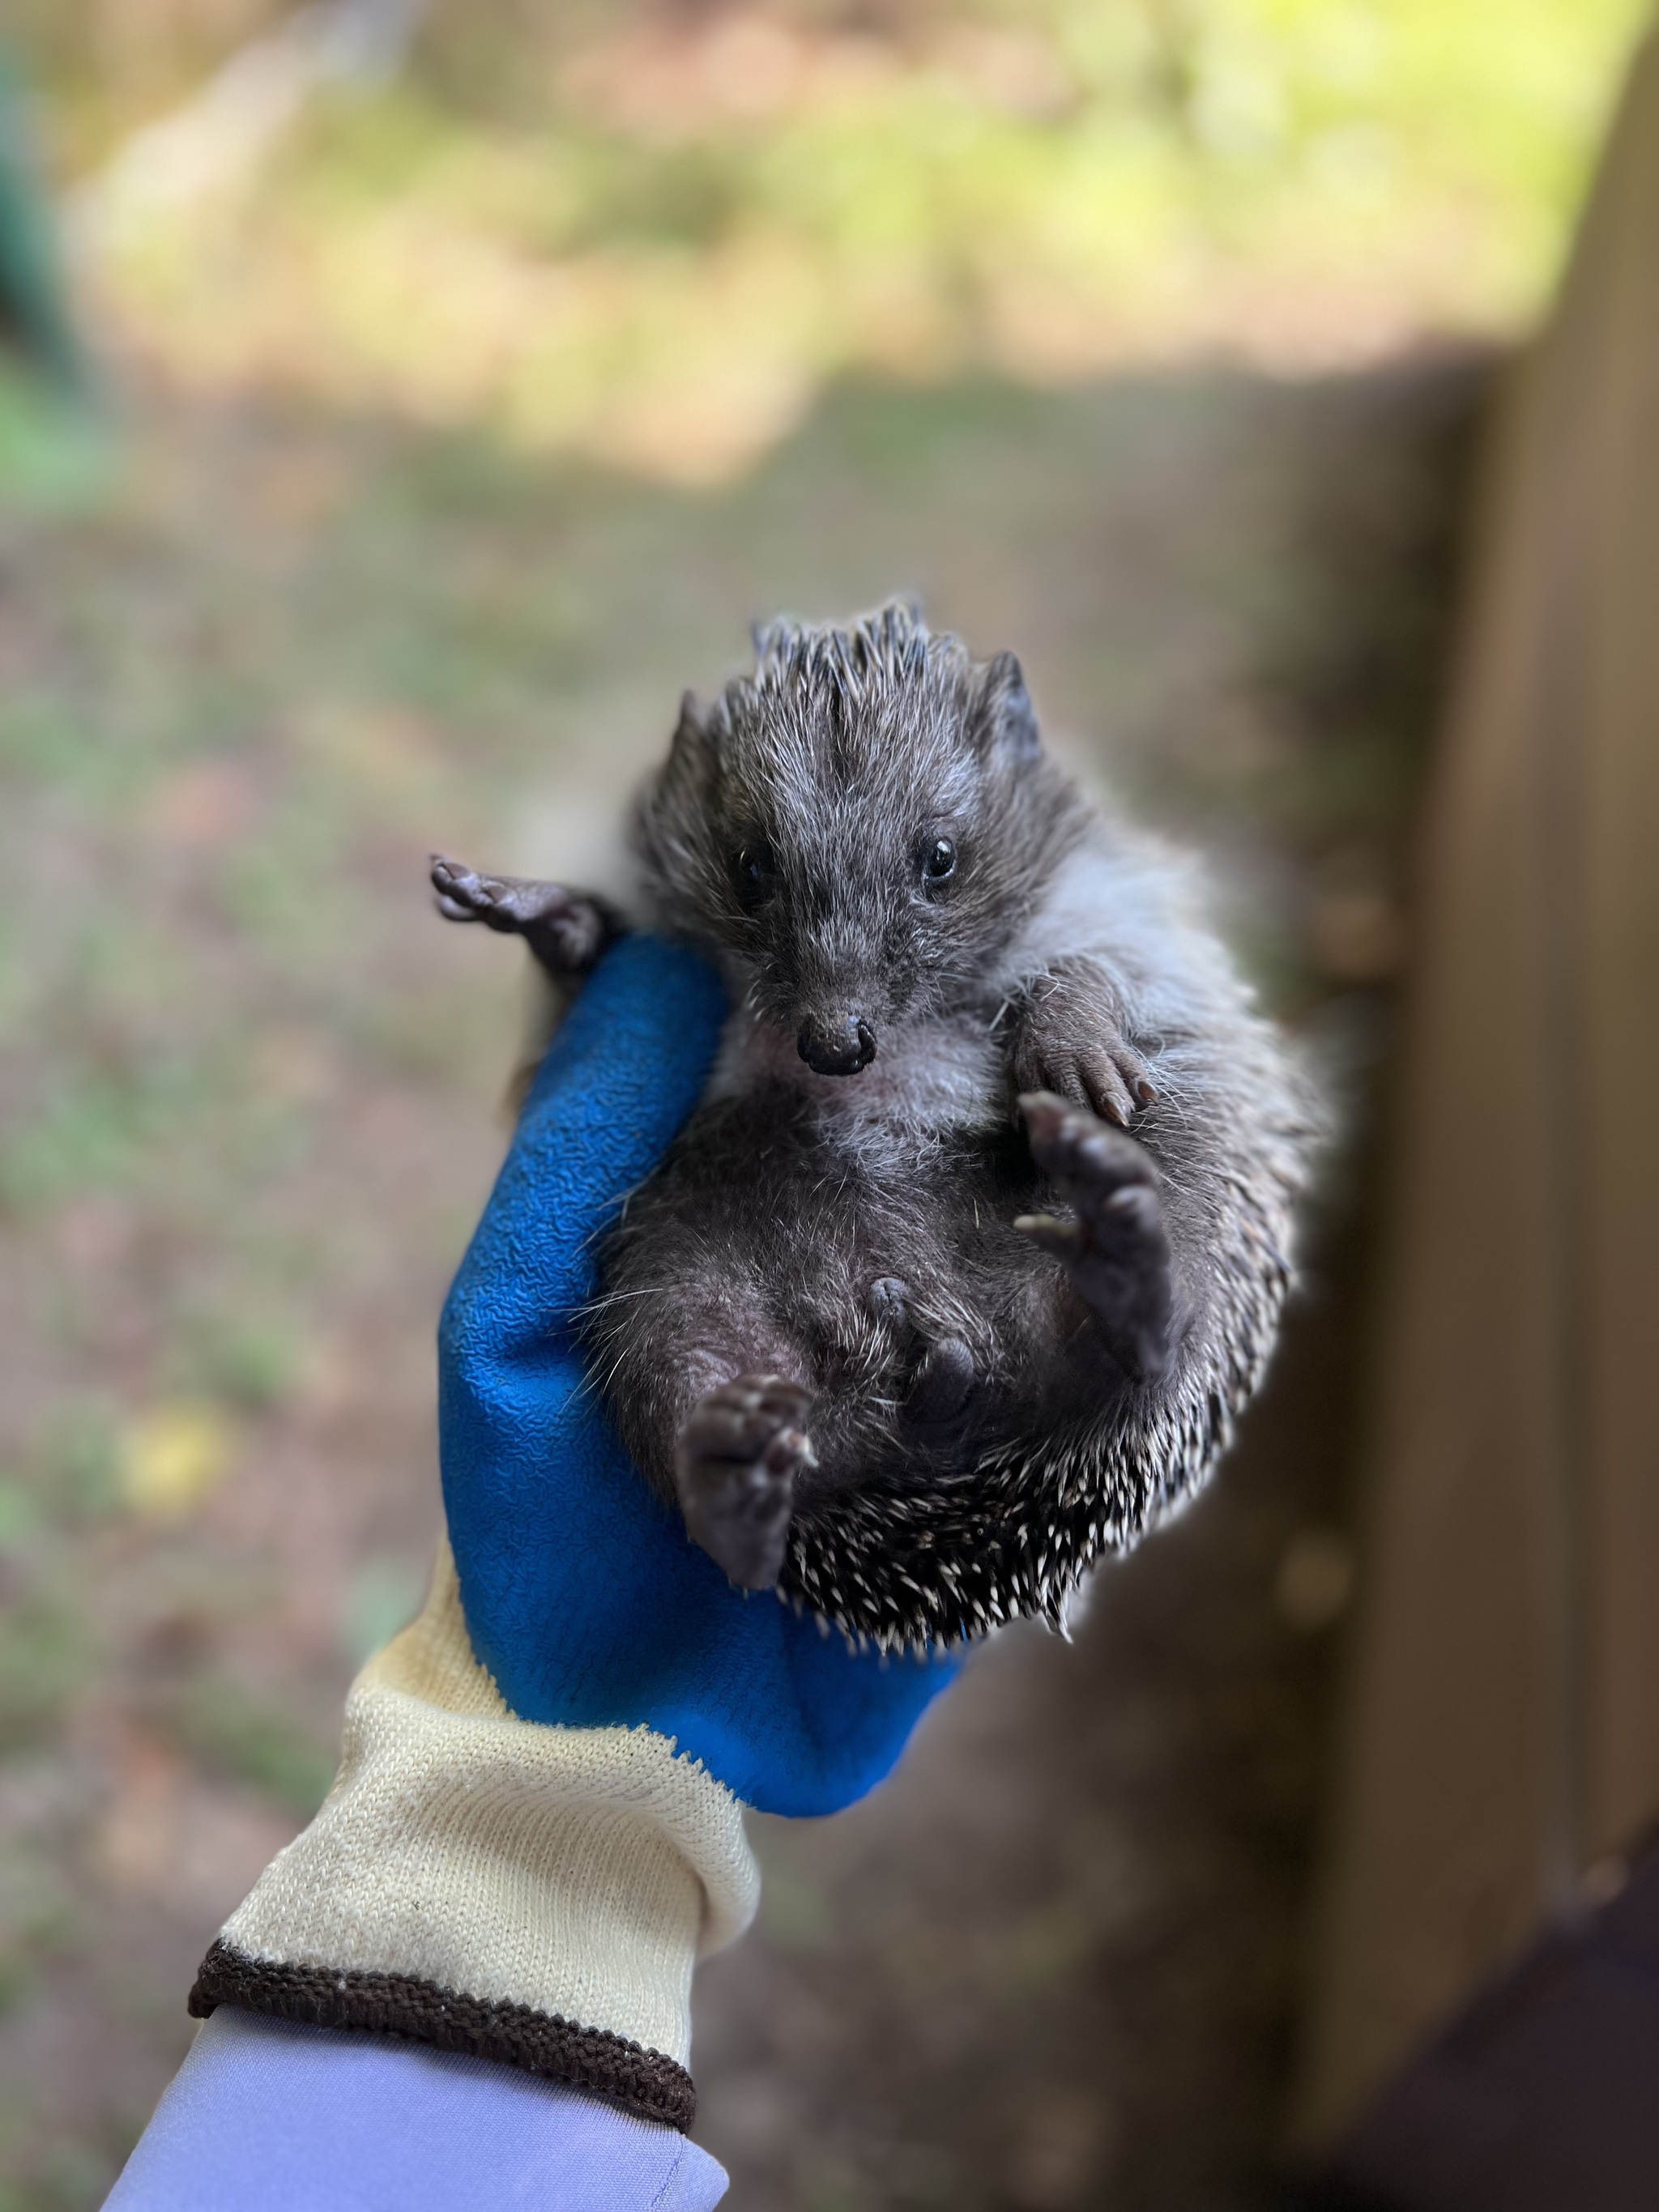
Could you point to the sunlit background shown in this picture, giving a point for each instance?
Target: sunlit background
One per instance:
(653, 235)
(423, 397)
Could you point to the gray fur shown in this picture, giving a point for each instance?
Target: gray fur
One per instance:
(982, 1424)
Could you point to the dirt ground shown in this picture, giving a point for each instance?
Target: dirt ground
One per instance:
(248, 1110)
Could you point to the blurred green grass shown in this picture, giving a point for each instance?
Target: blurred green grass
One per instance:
(652, 233)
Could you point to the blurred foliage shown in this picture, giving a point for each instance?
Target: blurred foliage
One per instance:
(652, 232)
(33, 318)
(241, 1737)
(55, 453)
(43, 1659)
(174, 1457)
(383, 1596)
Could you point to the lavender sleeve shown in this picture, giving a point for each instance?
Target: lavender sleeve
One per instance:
(265, 2116)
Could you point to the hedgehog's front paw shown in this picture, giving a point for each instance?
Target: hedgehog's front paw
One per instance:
(1116, 1250)
(735, 1468)
(1069, 1042)
(565, 930)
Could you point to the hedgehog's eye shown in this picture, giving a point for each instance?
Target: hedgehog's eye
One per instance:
(755, 870)
(937, 857)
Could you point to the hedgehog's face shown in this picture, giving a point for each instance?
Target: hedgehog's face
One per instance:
(856, 911)
(863, 849)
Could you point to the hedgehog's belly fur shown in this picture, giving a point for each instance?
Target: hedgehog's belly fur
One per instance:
(756, 1245)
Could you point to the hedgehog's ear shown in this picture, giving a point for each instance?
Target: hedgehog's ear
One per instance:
(689, 765)
(693, 738)
(1004, 717)
(674, 788)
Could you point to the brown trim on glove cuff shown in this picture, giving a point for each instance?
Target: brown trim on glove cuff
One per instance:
(592, 2059)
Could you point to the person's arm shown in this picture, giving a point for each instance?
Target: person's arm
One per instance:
(537, 1826)
(266, 2116)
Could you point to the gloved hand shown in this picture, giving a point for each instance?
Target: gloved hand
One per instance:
(536, 1826)
(584, 1597)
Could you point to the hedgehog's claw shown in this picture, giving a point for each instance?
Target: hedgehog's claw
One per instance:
(1070, 1042)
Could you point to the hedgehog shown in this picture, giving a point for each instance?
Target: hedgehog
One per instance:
(976, 1244)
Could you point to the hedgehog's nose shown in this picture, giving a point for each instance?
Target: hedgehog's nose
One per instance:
(837, 1048)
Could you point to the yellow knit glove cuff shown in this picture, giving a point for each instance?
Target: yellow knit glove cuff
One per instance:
(535, 1895)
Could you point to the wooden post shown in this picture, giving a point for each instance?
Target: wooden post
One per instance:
(1501, 1732)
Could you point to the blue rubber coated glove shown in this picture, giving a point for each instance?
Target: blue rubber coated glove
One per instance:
(584, 1596)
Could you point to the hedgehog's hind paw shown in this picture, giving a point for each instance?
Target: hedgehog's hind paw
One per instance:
(1117, 1250)
(735, 1469)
